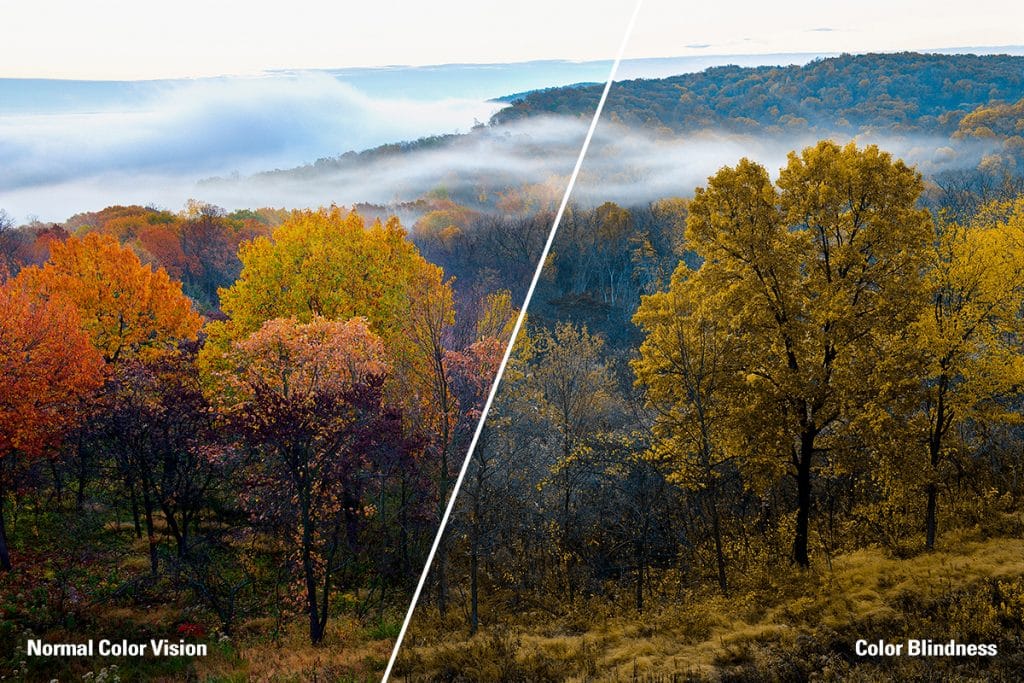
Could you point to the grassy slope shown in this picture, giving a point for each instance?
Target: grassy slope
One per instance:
(803, 626)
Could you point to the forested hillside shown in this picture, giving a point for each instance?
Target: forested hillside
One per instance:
(905, 92)
(951, 115)
(673, 436)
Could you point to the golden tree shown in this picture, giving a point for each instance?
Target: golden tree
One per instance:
(684, 367)
(969, 335)
(329, 263)
(814, 278)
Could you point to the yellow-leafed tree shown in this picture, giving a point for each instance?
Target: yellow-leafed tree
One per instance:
(969, 335)
(814, 277)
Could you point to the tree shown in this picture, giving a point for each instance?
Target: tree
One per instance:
(472, 372)
(329, 263)
(431, 315)
(815, 277)
(159, 427)
(309, 398)
(9, 242)
(126, 308)
(209, 255)
(969, 335)
(49, 368)
(574, 386)
(684, 369)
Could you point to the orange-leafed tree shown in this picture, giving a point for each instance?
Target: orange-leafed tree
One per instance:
(48, 367)
(162, 244)
(126, 308)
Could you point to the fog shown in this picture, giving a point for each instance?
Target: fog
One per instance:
(61, 163)
(633, 168)
(215, 141)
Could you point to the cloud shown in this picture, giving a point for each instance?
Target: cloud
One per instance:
(488, 160)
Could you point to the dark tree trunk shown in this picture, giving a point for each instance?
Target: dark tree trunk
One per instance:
(403, 527)
(179, 532)
(716, 532)
(566, 533)
(440, 569)
(803, 487)
(135, 510)
(316, 631)
(930, 523)
(82, 476)
(440, 559)
(474, 588)
(934, 456)
(58, 483)
(641, 568)
(5, 557)
(147, 504)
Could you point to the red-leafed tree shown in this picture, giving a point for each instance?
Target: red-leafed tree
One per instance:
(309, 397)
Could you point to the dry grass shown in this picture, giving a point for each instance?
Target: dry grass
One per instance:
(345, 655)
(867, 589)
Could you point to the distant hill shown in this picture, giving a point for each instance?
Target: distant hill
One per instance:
(517, 96)
(946, 113)
(905, 92)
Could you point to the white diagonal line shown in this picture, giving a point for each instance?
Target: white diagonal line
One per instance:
(515, 333)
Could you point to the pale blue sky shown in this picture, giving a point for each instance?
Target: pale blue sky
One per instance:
(111, 39)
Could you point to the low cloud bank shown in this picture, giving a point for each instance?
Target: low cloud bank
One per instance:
(156, 149)
(60, 165)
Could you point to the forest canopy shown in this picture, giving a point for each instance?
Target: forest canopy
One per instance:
(905, 92)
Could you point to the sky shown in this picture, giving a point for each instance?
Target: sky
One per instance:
(71, 147)
(728, 27)
(119, 39)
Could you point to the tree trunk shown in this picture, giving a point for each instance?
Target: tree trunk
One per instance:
(474, 588)
(934, 453)
(440, 569)
(180, 533)
(716, 531)
(147, 504)
(82, 466)
(316, 633)
(566, 534)
(930, 522)
(641, 562)
(58, 483)
(5, 557)
(803, 487)
(135, 510)
(403, 528)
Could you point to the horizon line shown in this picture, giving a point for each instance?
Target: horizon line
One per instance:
(990, 50)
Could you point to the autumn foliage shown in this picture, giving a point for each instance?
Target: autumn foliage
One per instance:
(811, 431)
(284, 456)
(49, 370)
(126, 308)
